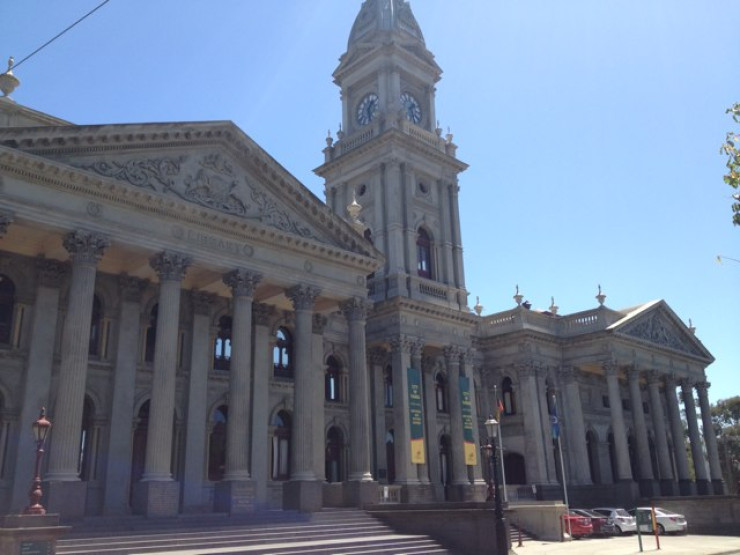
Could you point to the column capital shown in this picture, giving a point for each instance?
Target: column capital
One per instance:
(702, 387)
(318, 324)
(6, 218)
(567, 373)
(49, 273)
(85, 247)
(202, 302)
(262, 313)
(654, 377)
(377, 355)
(417, 347)
(401, 344)
(354, 309)
(170, 266)
(452, 354)
(131, 287)
(427, 363)
(611, 368)
(686, 383)
(670, 381)
(633, 372)
(470, 356)
(242, 282)
(525, 369)
(303, 296)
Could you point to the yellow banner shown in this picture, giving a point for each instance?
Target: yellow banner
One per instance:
(417, 451)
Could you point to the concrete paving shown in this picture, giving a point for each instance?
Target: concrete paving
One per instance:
(628, 545)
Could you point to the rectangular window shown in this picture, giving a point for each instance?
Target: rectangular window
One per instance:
(605, 401)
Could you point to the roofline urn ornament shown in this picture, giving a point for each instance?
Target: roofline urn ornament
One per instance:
(600, 297)
(518, 297)
(8, 81)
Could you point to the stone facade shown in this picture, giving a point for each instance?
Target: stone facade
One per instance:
(209, 336)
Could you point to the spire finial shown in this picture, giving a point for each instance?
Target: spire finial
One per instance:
(478, 307)
(553, 307)
(600, 297)
(517, 297)
(353, 209)
(692, 328)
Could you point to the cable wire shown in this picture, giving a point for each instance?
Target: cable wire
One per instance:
(47, 43)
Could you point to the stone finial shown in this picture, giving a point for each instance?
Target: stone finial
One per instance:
(518, 297)
(353, 209)
(600, 297)
(553, 307)
(8, 81)
(478, 307)
(329, 139)
(692, 328)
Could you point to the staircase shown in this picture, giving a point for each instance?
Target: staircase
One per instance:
(516, 533)
(330, 532)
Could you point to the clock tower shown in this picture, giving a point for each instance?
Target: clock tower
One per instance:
(391, 157)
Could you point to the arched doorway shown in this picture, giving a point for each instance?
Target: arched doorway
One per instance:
(592, 446)
(282, 424)
(514, 469)
(334, 448)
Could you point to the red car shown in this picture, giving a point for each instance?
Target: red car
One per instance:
(601, 524)
(576, 525)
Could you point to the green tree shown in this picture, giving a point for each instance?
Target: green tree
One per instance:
(726, 421)
(730, 149)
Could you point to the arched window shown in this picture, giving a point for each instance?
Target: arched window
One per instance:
(334, 447)
(222, 347)
(507, 390)
(87, 447)
(7, 304)
(151, 335)
(282, 354)
(424, 254)
(331, 380)
(388, 386)
(281, 446)
(96, 327)
(440, 390)
(217, 444)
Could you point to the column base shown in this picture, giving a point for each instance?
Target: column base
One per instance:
(42, 532)
(359, 494)
(235, 497)
(626, 492)
(686, 487)
(720, 488)
(68, 499)
(417, 493)
(668, 488)
(463, 493)
(304, 496)
(649, 488)
(703, 487)
(156, 499)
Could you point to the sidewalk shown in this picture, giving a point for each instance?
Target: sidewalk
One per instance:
(628, 545)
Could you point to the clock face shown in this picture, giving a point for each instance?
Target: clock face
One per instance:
(412, 107)
(367, 109)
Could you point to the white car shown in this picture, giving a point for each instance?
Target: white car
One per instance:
(666, 521)
(622, 520)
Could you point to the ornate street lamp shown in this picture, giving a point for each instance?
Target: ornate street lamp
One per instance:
(502, 537)
(41, 429)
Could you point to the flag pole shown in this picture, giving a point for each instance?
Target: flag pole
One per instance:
(556, 432)
(500, 444)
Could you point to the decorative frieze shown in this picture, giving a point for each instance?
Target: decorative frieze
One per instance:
(170, 266)
(242, 282)
(85, 247)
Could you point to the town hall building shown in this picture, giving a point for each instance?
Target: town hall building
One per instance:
(209, 336)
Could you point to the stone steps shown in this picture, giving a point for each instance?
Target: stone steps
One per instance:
(331, 532)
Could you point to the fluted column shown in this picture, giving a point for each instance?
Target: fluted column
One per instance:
(122, 407)
(710, 440)
(576, 430)
(170, 268)
(422, 470)
(355, 311)
(377, 357)
(303, 298)
(196, 436)
(468, 370)
(457, 249)
(401, 359)
(459, 470)
(318, 380)
(619, 432)
(261, 317)
(686, 486)
(49, 275)
(697, 453)
(242, 283)
(648, 486)
(85, 250)
(661, 439)
(430, 424)
(534, 448)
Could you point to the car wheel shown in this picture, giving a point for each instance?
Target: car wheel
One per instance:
(619, 530)
(661, 529)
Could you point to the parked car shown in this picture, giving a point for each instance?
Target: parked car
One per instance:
(578, 526)
(601, 524)
(667, 521)
(624, 522)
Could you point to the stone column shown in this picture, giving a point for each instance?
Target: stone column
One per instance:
(303, 491)
(697, 453)
(710, 440)
(432, 431)
(545, 427)
(157, 494)
(66, 494)
(196, 436)
(318, 380)
(534, 449)
(685, 485)
(648, 486)
(457, 249)
(118, 473)
(236, 493)
(459, 470)
(468, 369)
(49, 275)
(377, 357)
(667, 483)
(575, 436)
(261, 316)
(445, 240)
(619, 432)
(401, 361)
(355, 311)
(422, 470)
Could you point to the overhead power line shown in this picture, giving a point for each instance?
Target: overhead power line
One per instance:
(47, 43)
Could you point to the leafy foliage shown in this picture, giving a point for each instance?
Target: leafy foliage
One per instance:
(730, 149)
(726, 421)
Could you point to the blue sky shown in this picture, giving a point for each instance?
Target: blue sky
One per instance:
(592, 128)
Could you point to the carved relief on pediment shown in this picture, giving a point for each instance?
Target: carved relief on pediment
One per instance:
(656, 329)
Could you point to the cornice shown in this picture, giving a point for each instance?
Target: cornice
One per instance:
(394, 306)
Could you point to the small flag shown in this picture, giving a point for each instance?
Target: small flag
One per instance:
(499, 410)
(554, 420)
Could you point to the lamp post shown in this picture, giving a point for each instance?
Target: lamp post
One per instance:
(40, 431)
(502, 537)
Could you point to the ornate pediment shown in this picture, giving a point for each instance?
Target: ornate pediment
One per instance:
(662, 328)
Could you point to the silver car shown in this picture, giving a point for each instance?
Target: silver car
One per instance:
(621, 519)
(666, 521)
